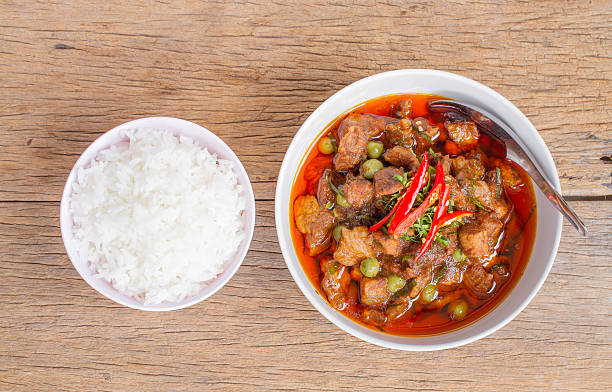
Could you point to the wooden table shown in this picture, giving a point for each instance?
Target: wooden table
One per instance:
(252, 72)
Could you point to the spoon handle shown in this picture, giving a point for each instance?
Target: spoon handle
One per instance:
(520, 156)
(515, 151)
(557, 200)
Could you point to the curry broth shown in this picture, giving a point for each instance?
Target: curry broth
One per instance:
(515, 249)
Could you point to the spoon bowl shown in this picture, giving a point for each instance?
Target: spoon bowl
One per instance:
(515, 149)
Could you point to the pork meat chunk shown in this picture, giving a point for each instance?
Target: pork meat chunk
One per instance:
(374, 317)
(425, 130)
(474, 241)
(374, 291)
(359, 193)
(479, 237)
(464, 133)
(461, 200)
(465, 170)
(355, 245)
(314, 222)
(385, 182)
(405, 107)
(402, 156)
(478, 280)
(335, 284)
(446, 164)
(398, 134)
(388, 245)
(325, 193)
(372, 125)
(351, 148)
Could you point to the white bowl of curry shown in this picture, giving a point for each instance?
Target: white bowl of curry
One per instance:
(406, 229)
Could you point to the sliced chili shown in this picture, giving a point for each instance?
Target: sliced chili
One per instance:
(453, 217)
(432, 197)
(443, 205)
(390, 214)
(408, 221)
(436, 225)
(418, 181)
(439, 175)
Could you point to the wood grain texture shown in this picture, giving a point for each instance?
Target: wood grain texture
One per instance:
(252, 71)
(260, 332)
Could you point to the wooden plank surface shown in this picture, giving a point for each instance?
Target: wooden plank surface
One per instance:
(252, 72)
(260, 332)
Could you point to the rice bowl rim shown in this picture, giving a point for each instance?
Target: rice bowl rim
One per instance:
(178, 127)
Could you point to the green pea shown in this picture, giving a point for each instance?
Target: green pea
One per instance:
(429, 293)
(458, 309)
(375, 149)
(326, 145)
(458, 255)
(369, 267)
(370, 167)
(395, 283)
(333, 268)
(341, 201)
(337, 232)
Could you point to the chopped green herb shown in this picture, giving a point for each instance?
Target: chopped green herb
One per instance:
(419, 130)
(335, 213)
(434, 155)
(332, 186)
(451, 204)
(403, 178)
(455, 224)
(478, 204)
(337, 232)
(383, 228)
(498, 178)
(389, 201)
(442, 240)
(528, 217)
(341, 201)
(329, 205)
(421, 226)
(499, 265)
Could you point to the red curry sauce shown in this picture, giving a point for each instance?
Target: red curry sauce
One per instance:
(515, 250)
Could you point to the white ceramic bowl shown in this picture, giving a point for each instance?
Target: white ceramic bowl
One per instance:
(178, 127)
(465, 90)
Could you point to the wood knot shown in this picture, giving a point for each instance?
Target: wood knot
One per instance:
(63, 46)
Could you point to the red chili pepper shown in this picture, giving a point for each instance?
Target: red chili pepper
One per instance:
(431, 198)
(436, 225)
(453, 217)
(443, 205)
(408, 221)
(439, 175)
(389, 215)
(418, 181)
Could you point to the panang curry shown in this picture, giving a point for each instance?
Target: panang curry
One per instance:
(409, 223)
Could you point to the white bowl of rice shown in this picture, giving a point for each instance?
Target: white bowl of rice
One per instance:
(157, 214)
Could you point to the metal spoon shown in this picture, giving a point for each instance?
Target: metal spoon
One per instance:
(515, 151)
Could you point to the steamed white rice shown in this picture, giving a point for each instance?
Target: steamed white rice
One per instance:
(157, 216)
